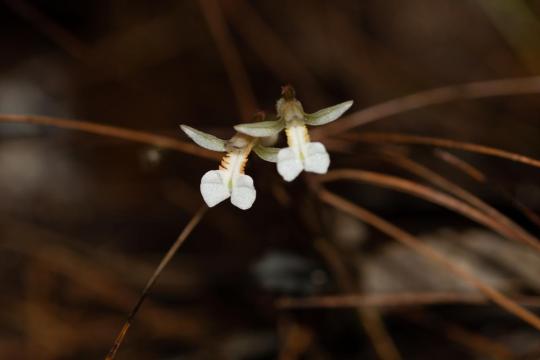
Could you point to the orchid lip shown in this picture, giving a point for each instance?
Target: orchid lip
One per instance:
(301, 154)
(229, 182)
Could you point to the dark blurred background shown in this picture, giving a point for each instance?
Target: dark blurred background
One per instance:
(85, 219)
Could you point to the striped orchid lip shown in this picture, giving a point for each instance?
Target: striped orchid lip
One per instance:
(301, 153)
(230, 180)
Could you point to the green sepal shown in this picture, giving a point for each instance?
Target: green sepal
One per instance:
(261, 129)
(266, 153)
(205, 140)
(328, 114)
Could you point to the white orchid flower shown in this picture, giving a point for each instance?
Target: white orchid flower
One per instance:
(229, 181)
(301, 154)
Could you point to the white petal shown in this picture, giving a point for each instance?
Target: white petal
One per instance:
(261, 129)
(213, 188)
(243, 193)
(289, 165)
(327, 115)
(267, 153)
(203, 139)
(316, 159)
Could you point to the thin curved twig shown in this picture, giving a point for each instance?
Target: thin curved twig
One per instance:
(272, 51)
(459, 192)
(113, 131)
(382, 137)
(431, 195)
(461, 165)
(396, 300)
(480, 177)
(50, 29)
(188, 229)
(425, 250)
(230, 56)
(473, 90)
(371, 319)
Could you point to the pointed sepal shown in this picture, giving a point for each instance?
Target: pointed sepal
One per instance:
(328, 114)
(204, 140)
(266, 153)
(261, 129)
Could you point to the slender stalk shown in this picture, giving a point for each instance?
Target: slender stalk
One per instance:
(459, 192)
(480, 177)
(396, 138)
(474, 90)
(50, 29)
(428, 252)
(273, 52)
(164, 262)
(370, 318)
(113, 131)
(432, 195)
(230, 57)
(460, 164)
(396, 300)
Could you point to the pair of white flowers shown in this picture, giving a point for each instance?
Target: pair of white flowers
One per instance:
(301, 154)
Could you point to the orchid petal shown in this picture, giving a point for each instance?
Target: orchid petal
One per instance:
(213, 188)
(204, 140)
(261, 129)
(267, 153)
(243, 193)
(289, 165)
(328, 114)
(316, 158)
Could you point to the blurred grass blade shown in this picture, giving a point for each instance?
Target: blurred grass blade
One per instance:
(519, 25)
(461, 165)
(456, 190)
(112, 131)
(482, 178)
(396, 299)
(164, 262)
(230, 56)
(429, 194)
(473, 90)
(396, 138)
(418, 246)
